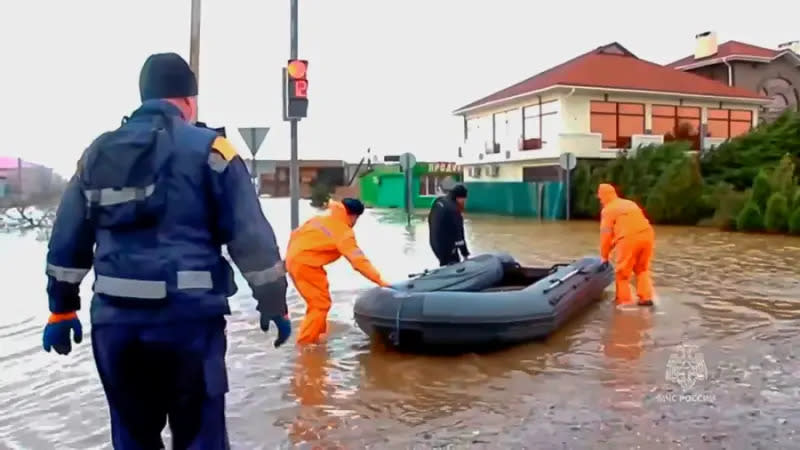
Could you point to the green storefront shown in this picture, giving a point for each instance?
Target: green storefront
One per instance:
(385, 188)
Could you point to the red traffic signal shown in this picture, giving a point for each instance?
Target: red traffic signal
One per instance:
(295, 89)
(297, 68)
(300, 88)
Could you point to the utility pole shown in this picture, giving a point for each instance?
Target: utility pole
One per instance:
(294, 168)
(194, 46)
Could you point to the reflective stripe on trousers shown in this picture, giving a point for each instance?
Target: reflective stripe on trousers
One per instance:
(149, 289)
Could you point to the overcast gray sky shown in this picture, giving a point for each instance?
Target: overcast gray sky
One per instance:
(382, 74)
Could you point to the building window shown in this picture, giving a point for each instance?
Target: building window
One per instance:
(617, 122)
(678, 123)
(728, 123)
(540, 124)
(429, 184)
(784, 96)
(480, 130)
(507, 129)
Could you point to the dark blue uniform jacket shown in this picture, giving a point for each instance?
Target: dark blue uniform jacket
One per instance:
(156, 248)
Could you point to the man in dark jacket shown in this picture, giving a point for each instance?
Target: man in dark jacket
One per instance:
(150, 207)
(446, 225)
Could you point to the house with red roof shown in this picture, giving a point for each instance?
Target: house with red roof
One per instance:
(593, 106)
(774, 73)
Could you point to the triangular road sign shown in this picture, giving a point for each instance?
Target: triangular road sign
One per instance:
(253, 137)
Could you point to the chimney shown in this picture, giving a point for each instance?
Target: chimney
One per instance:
(706, 44)
(791, 45)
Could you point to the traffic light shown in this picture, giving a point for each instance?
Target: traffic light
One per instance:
(295, 89)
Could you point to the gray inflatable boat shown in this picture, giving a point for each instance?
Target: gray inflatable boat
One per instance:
(486, 301)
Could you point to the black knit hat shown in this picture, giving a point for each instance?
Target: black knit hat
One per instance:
(166, 75)
(459, 191)
(353, 206)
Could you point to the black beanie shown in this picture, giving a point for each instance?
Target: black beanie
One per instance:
(353, 206)
(166, 75)
(459, 191)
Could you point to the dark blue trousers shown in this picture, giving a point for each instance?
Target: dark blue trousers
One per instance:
(154, 373)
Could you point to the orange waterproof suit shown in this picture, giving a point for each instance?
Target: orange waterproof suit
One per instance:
(623, 225)
(317, 243)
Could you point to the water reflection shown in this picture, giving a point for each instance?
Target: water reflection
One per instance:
(624, 345)
(312, 389)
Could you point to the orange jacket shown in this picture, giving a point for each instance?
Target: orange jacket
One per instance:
(323, 239)
(619, 218)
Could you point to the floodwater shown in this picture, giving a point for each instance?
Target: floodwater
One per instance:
(601, 382)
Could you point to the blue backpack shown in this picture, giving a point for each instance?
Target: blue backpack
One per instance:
(124, 174)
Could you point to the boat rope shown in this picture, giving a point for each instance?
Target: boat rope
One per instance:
(396, 337)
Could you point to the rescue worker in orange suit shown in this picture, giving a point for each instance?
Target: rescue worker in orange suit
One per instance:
(315, 244)
(150, 207)
(624, 226)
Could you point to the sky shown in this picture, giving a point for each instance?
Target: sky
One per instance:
(383, 74)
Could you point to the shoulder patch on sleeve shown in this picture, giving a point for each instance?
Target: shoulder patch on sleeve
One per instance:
(224, 148)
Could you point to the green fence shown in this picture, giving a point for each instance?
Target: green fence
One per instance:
(518, 199)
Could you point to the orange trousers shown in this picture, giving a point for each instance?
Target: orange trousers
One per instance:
(634, 253)
(312, 284)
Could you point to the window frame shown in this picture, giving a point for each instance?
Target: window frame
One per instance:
(617, 113)
(537, 112)
(729, 121)
(676, 121)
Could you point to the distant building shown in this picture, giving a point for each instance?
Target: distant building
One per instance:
(773, 73)
(3, 186)
(273, 175)
(25, 178)
(593, 106)
(385, 187)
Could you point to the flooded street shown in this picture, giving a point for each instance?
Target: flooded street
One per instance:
(602, 382)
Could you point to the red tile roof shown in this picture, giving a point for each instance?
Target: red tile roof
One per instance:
(612, 66)
(729, 48)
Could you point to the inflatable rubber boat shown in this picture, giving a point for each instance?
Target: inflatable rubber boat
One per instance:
(488, 300)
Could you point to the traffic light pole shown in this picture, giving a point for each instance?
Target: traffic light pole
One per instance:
(194, 40)
(294, 168)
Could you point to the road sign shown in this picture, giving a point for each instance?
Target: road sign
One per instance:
(567, 161)
(407, 161)
(253, 137)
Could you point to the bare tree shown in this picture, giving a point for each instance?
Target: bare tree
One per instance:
(36, 211)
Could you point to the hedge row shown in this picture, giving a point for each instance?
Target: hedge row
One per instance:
(749, 183)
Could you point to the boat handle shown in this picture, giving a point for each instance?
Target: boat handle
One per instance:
(424, 272)
(559, 281)
(555, 267)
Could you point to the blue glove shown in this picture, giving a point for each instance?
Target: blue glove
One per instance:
(56, 332)
(284, 328)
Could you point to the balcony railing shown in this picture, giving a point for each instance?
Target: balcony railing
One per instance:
(710, 142)
(530, 144)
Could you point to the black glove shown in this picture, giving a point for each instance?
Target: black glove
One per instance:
(284, 328)
(268, 296)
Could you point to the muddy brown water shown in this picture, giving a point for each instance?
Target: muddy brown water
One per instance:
(607, 380)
